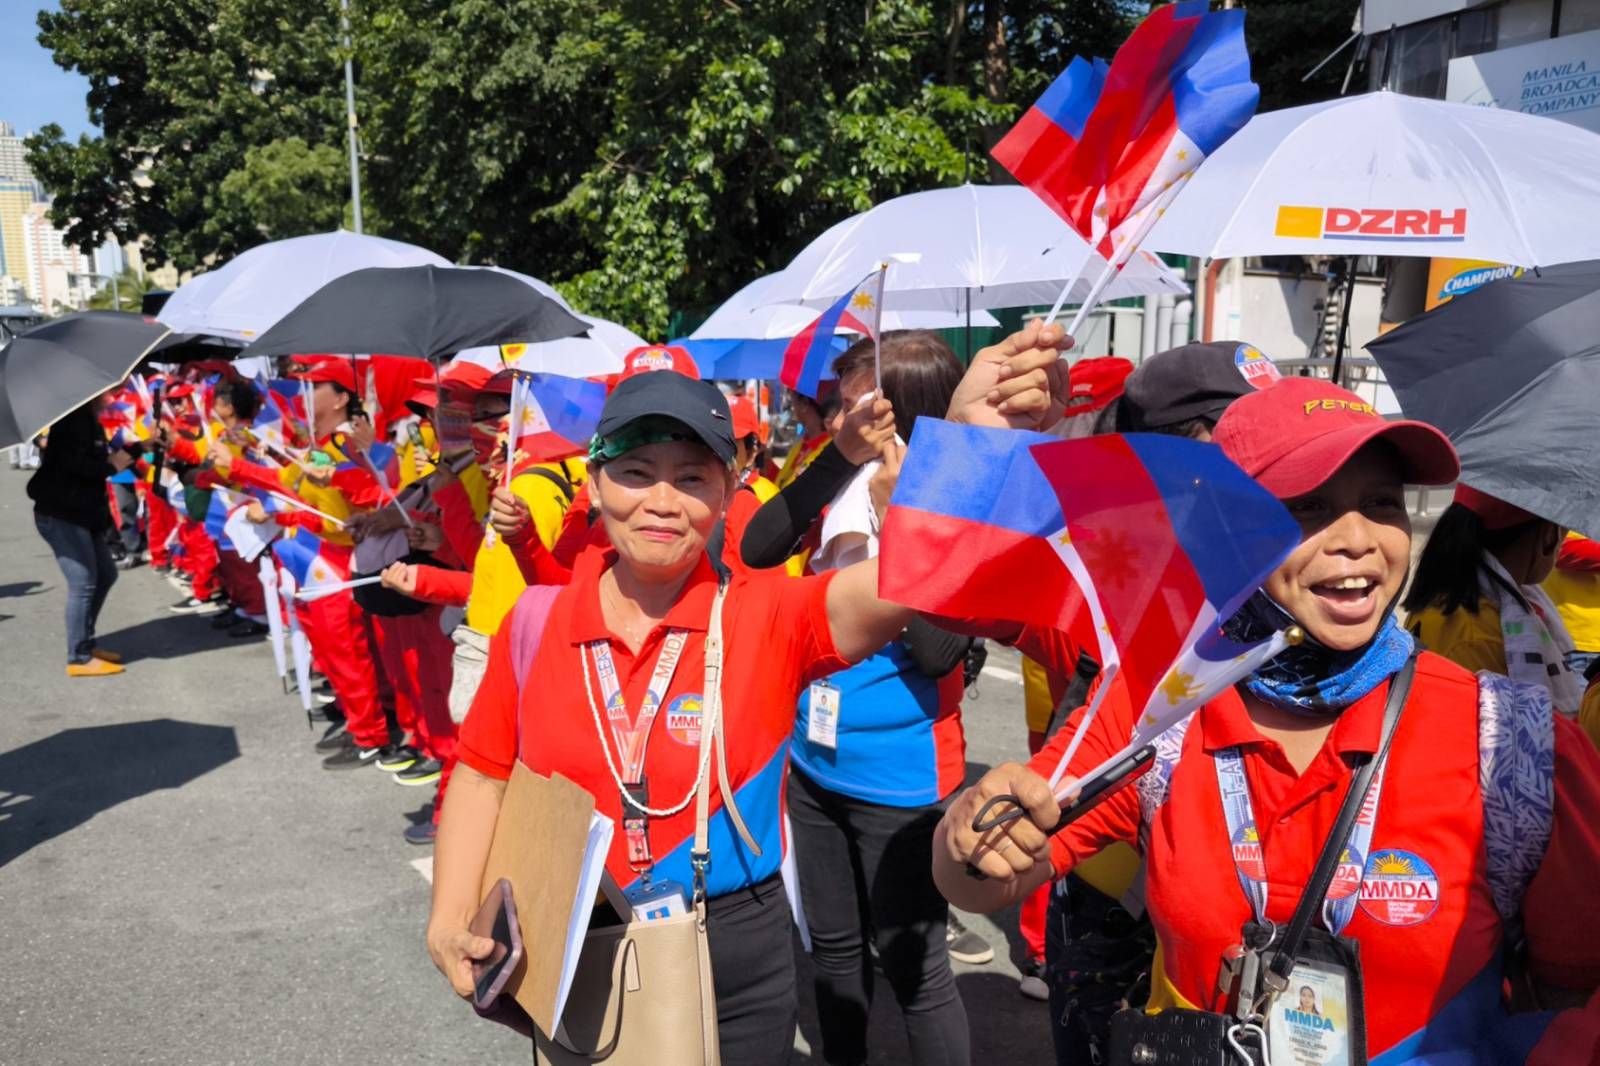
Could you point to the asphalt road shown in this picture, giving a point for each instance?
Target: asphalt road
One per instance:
(181, 882)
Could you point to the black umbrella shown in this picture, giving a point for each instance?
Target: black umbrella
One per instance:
(422, 311)
(1511, 371)
(53, 369)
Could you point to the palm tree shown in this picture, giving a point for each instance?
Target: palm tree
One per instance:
(130, 290)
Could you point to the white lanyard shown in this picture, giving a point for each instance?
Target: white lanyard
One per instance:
(633, 737)
(1250, 856)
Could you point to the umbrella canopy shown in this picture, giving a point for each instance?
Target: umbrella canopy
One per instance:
(1511, 372)
(748, 315)
(997, 246)
(598, 353)
(243, 298)
(1386, 174)
(53, 369)
(423, 312)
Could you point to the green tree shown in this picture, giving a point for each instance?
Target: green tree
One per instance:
(181, 92)
(288, 188)
(130, 289)
(1287, 38)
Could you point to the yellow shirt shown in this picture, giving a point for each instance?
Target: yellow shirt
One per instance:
(415, 461)
(496, 578)
(1577, 596)
(1470, 639)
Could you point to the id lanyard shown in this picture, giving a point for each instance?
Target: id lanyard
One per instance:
(1250, 856)
(633, 737)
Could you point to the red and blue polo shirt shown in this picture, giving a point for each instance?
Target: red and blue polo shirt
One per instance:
(1429, 932)
(777, 640)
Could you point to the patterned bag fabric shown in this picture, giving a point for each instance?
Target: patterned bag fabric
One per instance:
(1537, 644)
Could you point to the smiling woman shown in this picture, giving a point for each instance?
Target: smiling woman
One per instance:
(631, 637)
(1467, 826)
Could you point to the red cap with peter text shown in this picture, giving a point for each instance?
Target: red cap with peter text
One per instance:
(1295, 434)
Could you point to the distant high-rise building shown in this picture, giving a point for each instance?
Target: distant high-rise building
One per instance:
(14, 160)
(19, 190)
(60, 277)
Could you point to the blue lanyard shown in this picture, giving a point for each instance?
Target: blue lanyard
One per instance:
(1249, 856)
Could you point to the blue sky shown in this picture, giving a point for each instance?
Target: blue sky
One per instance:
(33, 90)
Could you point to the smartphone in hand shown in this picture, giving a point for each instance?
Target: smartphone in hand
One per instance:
(497, 920)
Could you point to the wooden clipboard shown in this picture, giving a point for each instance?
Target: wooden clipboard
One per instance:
(538, 845)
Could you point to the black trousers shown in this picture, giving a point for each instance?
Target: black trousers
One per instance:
(866, 875)
(751, 937)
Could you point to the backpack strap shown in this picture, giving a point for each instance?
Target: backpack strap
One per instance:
(1517, 776)
(560, 482)
(1155, 784)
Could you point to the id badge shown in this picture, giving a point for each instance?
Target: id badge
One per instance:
(822, 721)
(654, 900)
(1309, 1024)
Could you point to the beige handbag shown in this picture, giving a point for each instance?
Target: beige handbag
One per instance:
(643, 993)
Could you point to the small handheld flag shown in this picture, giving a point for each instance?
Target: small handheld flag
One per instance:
(552, 417)
(1177, 89)
(808, 353)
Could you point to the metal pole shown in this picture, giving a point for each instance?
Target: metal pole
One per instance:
(1344, 316)
(116, 300)
(350, 116)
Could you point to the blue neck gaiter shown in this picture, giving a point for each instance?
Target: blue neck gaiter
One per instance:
(1311, 679)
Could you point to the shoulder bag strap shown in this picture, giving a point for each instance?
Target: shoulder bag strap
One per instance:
(1282, 965)
(711, 716)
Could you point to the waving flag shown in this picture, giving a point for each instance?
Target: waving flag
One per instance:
(1137, 543)
(1039, 147)
(1177, 89)
(553, 417)
(808, 353)
(301, 556)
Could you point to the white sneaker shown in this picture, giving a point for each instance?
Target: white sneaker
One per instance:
(194, 606)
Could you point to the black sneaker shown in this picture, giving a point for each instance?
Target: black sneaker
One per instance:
(396, 757)
(351, 756)
(194, 606)
(337, 738)
(421, 772)
(421, 834)
(225, 620)
(248, 627)
(967, 946)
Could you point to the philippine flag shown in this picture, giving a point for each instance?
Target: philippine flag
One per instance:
(1139, 543)
(1177, 89)
(808, 353)
(301, 555)
(1107, 148)
(553, 417)
(1038, 148)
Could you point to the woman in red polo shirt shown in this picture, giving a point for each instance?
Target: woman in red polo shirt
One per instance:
(624, 645)
(1484, 804)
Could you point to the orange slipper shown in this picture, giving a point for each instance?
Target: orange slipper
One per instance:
(93, 668)
(107, 656)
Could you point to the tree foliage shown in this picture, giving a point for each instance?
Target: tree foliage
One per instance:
(643, 155)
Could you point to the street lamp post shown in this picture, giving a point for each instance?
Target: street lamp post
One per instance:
(350, 116)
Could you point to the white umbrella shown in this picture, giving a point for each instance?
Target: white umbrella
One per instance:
(601, 352)
(747, 316)
(1387, 174)
(245, 296)
(978, 245)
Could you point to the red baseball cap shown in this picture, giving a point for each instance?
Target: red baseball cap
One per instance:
(746, 422)
(1295, 434)
(1096, 382)
(336, 369)
(1493, 512)
(658, 357)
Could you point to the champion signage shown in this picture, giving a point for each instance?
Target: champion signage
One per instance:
(1372, 224)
